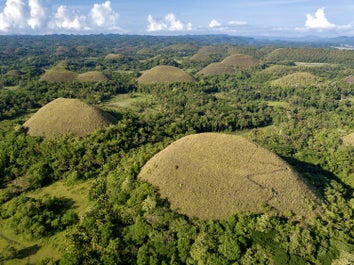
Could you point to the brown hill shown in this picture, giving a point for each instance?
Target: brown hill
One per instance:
(92, 76)
(59, 73)
(217, 69)
(64, 115)
(206, 53)
(164, 73)
(240, 60)
(113, 56)
(212, 176)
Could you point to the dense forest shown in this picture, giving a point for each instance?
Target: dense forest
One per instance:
(78, 199)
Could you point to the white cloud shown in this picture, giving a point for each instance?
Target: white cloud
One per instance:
(37, 14)
(12, 16)
(214, 24)
(102, 15)
(318, 21)
(66, 19)
(237, 23)
(31, 16)
(169, 23)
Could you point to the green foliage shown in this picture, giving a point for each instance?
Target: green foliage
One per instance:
(38, 218)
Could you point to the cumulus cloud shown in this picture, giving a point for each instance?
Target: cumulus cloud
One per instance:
(12, 15)
(214, 24)
(318, 21)
(37, 14)
(102, 15)
(231, 26)
(31, 16)
(66, 19)
(169, 23)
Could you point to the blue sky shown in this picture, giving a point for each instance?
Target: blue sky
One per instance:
(287, 18)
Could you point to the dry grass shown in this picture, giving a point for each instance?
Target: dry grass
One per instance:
(240, 60)
(296, 80)
(212, 176)
(350, 79)
(59, 73)
(349, 139)
(217, 69)
(92, 76)
(13, 73)
(165, 73)
(63, 116)
(206, 53)
(113, 56)
(305, 64)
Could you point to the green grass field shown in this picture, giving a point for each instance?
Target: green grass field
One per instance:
(32, 252)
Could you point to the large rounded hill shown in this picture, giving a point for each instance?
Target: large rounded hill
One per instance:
(212, 176)
(164, 73)
(63, 115)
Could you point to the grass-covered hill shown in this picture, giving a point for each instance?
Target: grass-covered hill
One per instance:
(92, 76)
(165, 73)
(213, 176)
(217, 69)
(240, 60)
(228, 65)
(311, 55)
(209, 53)
(63, 115)
(113, 56)
(59, 73)
(296, 80)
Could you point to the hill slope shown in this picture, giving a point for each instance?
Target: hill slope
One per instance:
(164, 73)
(65, 115)
(92, 76)
(212, 176)
(296, 79)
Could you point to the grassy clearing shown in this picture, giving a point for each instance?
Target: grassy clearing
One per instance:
(64, 115)
(240, 60)
(165, 73)
(304, 64)
(297, 79)
(349, 139)
(212, 176)
(136, 102)
(53, 246)
(278, 104)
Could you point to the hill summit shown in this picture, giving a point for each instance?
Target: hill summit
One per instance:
(64, 115)
(164, 73)
(213, 176)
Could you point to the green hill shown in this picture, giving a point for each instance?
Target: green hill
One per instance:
(164, 73)
(64, 115)
(212, 176)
